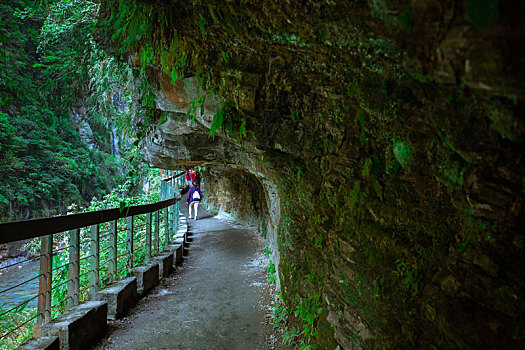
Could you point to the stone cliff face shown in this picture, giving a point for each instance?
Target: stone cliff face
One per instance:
(377, 144)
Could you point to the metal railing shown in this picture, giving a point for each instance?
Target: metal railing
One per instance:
(82, 253)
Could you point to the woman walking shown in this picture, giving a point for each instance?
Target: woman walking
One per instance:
(194, 198)
(190, 175)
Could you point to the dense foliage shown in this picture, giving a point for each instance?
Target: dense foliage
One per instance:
(62, 102)
(68, 133)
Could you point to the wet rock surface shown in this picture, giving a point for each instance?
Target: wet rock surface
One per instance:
(377, 144)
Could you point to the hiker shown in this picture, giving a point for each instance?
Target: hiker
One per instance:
(198, 177)
(194, 197)
(190, 175)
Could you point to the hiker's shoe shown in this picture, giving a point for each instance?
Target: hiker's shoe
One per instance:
(190, 217)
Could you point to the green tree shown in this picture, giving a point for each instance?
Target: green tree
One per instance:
(49, 65)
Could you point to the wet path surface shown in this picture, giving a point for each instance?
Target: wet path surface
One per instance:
(218, 299)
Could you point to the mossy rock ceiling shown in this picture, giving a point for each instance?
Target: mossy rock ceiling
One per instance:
(390, 135)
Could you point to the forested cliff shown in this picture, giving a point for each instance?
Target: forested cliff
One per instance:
(62, 99)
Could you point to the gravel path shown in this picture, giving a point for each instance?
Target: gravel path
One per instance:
(218, 299)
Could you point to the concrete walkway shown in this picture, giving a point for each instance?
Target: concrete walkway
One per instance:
(218, 299)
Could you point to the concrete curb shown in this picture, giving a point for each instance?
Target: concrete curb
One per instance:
(147, 277)
(176, 250)
(44, 343)
(81, 327)
(165, 262)
(85, 324)
(120, 295)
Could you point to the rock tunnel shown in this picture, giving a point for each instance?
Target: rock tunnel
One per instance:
(378, 146)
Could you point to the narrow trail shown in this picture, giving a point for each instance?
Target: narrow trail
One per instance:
(218, 299)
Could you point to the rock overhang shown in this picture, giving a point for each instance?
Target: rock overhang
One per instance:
(393, 128)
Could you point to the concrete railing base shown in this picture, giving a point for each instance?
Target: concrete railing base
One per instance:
(165, 262)
(120, 296)
(178, 240)
(41, 343)
(176, 250)
(178, 255)
(147, 277)
(81, 327)
(180, 236)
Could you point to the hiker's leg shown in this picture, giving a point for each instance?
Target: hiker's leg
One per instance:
(196, 208)
(189, 209)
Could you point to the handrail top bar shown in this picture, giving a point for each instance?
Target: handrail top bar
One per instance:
(20, 230)
(174, 176)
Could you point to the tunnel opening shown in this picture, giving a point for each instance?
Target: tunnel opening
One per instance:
(239, 193)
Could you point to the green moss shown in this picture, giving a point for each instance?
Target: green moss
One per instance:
(454, 173)
(354, 199)
(407, 274)
(504, 120)
(392, 167)
(482, 13)
(325, 335)
(403, 152)
(349, 292)
(421, 77)
(379, 8)
(474, 230)
(406, 20)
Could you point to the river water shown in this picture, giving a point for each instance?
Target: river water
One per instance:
(14, 275)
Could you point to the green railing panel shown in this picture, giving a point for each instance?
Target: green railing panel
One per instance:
(91, 250)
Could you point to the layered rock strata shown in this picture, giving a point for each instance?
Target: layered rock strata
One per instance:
(379, 146)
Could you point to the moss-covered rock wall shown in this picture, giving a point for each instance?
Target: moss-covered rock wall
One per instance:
(382, 142)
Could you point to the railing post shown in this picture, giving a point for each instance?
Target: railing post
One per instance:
(148, 236)
(166, 227)
(112, 250)
(172, 212)
(177, 211)
(94, 277)
(73, 284)
(44, 285)
(129, 245)
(157, 231)
(171, 194)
